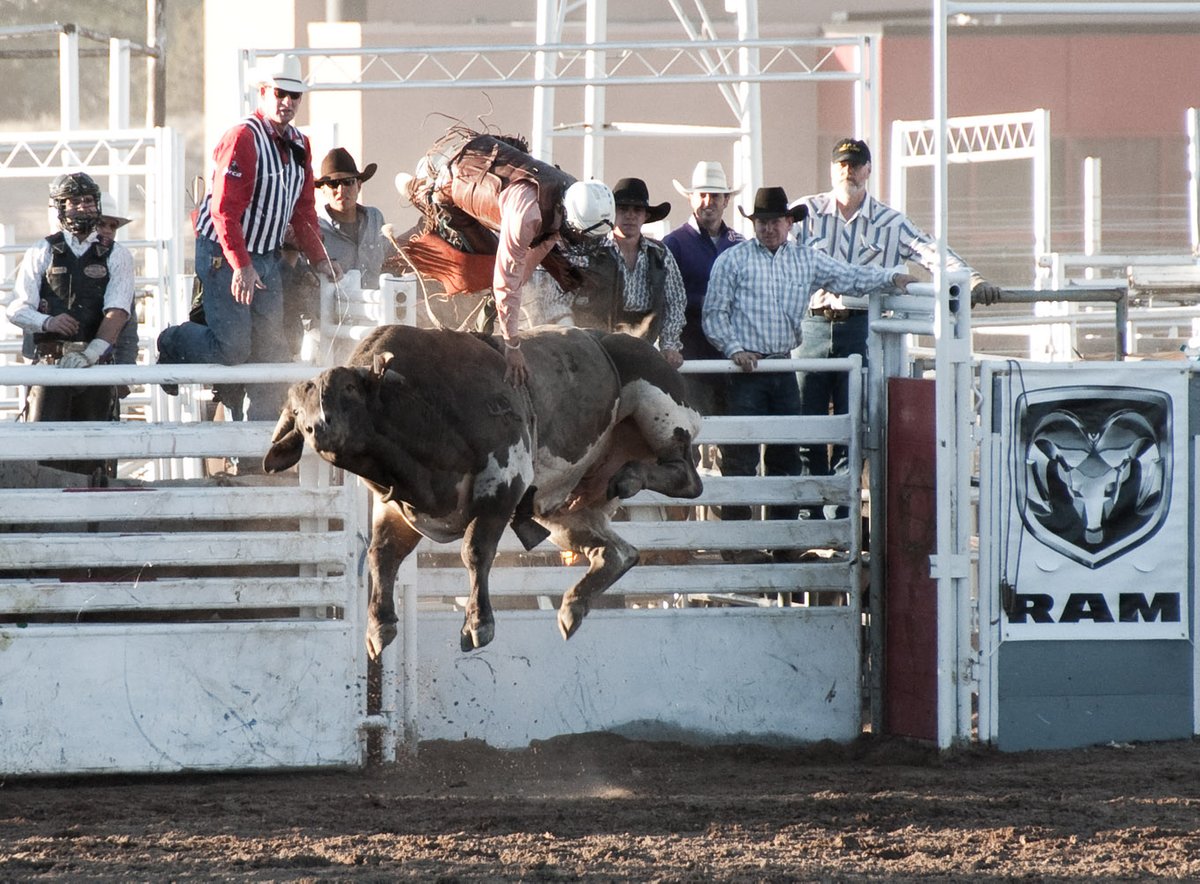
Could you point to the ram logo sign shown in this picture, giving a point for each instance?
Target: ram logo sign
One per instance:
(1096, 466)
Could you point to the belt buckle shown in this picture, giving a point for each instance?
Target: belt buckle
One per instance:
(831, 314)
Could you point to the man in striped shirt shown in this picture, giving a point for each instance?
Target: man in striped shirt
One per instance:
(262, 181)
(758, 295)
(848, 224)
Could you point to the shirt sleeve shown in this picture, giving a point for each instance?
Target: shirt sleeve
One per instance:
(118, 294)
(520, 221)
(833, 275)
(917, 245)
(235, 161)
(717, 318)
(22, 308)
(676, 303)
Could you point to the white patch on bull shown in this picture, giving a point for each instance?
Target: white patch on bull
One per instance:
(444, 530)
(557, 477)
(656, 413)
(493, 478)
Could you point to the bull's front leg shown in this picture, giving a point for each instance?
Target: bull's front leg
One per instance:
(392, 539)
(478, 553)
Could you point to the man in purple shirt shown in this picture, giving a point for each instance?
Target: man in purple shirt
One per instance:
(695, 246)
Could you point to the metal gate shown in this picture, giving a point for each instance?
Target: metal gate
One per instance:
(178, 625)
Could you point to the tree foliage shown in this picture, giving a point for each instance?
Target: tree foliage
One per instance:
(29, 62)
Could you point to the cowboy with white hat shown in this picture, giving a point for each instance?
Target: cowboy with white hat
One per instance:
(707, 177)
(695, 246)
(281, 71)
(261, 188)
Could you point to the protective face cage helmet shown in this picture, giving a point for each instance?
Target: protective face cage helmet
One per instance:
(589, 207)
(75, 186)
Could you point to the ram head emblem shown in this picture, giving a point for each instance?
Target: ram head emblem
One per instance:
(1096, 475)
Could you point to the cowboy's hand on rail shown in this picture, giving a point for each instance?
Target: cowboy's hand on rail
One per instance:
(902, 281)
(985, 293)
(747, 359)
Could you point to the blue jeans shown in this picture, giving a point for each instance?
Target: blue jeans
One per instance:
(234, 333)
(823, 339)
(765, 393)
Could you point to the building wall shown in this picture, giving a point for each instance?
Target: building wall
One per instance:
(1120, 95)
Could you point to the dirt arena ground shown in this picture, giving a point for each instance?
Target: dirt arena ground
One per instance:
(602, 808)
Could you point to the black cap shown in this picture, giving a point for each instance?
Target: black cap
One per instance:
(852, 151)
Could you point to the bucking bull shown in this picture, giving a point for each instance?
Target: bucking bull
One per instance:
(452, 451)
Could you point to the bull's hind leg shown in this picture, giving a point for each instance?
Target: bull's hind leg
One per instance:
(673, 474)
(478, 552)
(392, 539)
(609, 556)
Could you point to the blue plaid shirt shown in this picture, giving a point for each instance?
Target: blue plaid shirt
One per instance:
(757, 300)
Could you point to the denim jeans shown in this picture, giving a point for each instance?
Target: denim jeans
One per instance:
(823, 339)
(765, 393)
(233, 333)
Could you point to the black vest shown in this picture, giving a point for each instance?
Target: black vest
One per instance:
(75, 286)
(600, 302)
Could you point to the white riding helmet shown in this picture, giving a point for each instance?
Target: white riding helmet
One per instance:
(590, 208)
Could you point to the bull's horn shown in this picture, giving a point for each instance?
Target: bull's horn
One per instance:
(380, 363)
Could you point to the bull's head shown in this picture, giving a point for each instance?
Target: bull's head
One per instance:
(334, 412)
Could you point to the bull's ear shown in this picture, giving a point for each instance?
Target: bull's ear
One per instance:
(284, 452)
(287, 443)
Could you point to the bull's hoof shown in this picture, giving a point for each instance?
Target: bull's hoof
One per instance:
(627, 482)
(379, 636)
(473, 639)
(570, 617)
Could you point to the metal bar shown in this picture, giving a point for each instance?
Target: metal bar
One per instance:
(719, 366)
(612, 80)
(904, 326)
(959, 7)
(571, 48)
(114, 375)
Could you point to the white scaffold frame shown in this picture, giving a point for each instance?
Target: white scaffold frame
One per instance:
(736, 67)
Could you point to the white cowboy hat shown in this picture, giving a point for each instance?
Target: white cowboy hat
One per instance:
(707, 177)
(281, 71)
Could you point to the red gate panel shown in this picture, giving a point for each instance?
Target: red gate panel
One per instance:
(910, 599)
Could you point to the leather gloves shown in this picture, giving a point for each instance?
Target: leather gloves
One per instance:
(86, 358)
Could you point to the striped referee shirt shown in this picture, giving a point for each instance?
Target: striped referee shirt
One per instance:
(875, 235)
(756, 300)
(261, 182)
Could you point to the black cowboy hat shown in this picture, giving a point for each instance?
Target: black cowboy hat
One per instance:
(338, 165)
(633, 192)
(772, 202)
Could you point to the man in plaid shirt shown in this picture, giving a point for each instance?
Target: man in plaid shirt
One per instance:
(758, 296)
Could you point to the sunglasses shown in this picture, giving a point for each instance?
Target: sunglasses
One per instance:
(283, 93)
